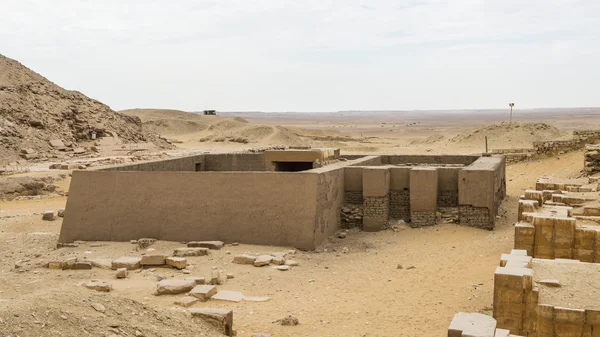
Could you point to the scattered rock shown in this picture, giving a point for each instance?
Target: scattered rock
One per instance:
(256, 298)
(198, 251)
(173, 287)
(176, 262)
(222, 318)
(134, 242)
(99, 286)
(283, 268)
(411, 267)
(61, 213)
(130, 263)
(80, 265)
(101, 263)
(48, 215)
(288, 321)
(216, 245)
(230, 276)
(341, 235)
(203, 292)
(152, 260)
(227, 295)
(186, 301)
(278, 260)
(144, 243)
(263, 260)
(244, 259)
(57, 143)
(122, 273)
(99, 307)
(218, 277)
(291, 263)
(399, 266)
(197, 279)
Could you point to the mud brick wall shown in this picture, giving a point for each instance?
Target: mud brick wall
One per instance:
(421, 219)
(447, 198)
(376, 208)
(353, 197)
(592, 159)
(400, 205)
(478, 217)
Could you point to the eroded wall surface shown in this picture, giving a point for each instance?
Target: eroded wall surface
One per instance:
(250, 207)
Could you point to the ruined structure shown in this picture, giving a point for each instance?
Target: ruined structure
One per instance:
(539, 298)
(279, 197)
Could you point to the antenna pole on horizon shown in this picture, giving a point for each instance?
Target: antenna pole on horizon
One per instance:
(511, 106)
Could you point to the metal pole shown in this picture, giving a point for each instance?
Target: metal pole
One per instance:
(511, 114)
(486, 145)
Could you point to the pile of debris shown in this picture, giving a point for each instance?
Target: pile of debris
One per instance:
(351, 217)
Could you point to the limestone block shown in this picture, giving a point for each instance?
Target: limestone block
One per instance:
(563, 253)
(173, 287)
(544, 230)
(186, 301)
(176, 262)
(525, 260)
(130, 263)
(543, 252)
(218, 277)
(520, 252)
(206, 244)
(585, 238)
(80, 265)
(502, 333)
(244, 259)
(99, 286)
(121, 273)
(152, 260)
(48, 215)
(472, 325)
(203, 292)
(592, 317)
(583, 255)
(545, 320)
(197, 251)
(568, 322)
(376, 181)
(263, 260)
(278, 260)
(222, 318)
(197, 279)
(564, 232)
(227, 295)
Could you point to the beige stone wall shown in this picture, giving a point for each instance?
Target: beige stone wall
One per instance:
(250, 207)
(175, 164)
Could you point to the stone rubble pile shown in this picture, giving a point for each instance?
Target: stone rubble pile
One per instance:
(592, 159)
(351, 217)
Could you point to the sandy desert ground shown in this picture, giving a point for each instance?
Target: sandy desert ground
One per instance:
(347, 287)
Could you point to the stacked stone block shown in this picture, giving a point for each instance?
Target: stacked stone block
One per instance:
(517, 305)
(592, 159)
(351, 216)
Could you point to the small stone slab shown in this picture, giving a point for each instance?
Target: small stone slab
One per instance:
(61, 213)
(57, 143)
(197, 279)
(291, 263)
(256, 298)
(263, 260)
(186, 301)
(48, 215)
(472, 324)
(203, 292)
(122, 273)
(283, 268)
(78, 150)
(216, 245)
(244, 259)
(260, 335)
(278, 260)
(173, 287)
(152, 260)
(197, 251)
(549, 282)
(99, 286)
(176, 262)
(222, 318)
(130, 263)
(228, 295)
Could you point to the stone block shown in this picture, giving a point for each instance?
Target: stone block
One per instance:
(222, 318)
(186, 301)
(376, 181)
(472, 324)
(176, 262)
(48, 215)
(244, 259)
(152, 260)
(61, 213)
(130, 263)
(173, 287)
(121, 273)
(218, 277)
(206, 244)
(199, 280)
(80, 265)
(230, 296)
(263, 260)
(203, 292)
(291, 263)
(99, 286)
(197, 251)
(57, 143)
(278, 260)
(585, 238)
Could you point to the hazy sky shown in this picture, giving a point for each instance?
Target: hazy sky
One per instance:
(305, 55)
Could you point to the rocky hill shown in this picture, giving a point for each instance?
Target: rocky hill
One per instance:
(34, 111)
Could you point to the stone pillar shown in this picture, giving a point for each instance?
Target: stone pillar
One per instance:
(423, 196)
(376, 201)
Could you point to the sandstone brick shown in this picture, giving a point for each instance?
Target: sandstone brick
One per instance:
(244, 259)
